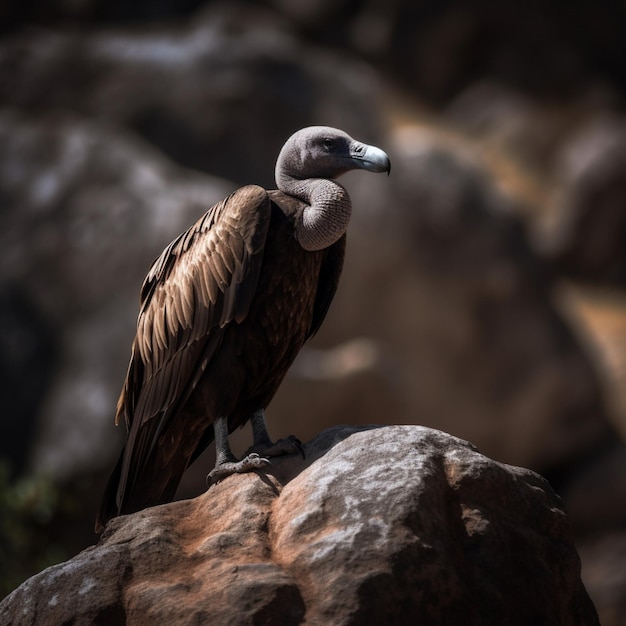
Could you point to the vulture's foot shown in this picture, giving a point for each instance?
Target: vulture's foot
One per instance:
(249, 463)
(288, 445)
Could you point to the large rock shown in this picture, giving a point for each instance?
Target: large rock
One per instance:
(388, 525)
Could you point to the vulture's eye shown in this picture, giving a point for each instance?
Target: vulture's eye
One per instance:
(329, 144)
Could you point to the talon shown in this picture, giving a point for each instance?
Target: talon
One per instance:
(249, 463)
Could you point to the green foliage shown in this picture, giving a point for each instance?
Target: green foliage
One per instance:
(28, 507)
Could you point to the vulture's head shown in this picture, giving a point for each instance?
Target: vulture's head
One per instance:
(306, 168)
(325, 152)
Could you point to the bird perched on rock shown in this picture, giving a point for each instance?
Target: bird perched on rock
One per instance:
(224, 311)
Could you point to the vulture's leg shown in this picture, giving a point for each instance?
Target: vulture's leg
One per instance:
(225, 461)
(264, 445)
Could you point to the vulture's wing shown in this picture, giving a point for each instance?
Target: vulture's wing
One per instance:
(205, 279)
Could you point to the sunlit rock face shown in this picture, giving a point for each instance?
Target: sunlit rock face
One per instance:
(377, 525)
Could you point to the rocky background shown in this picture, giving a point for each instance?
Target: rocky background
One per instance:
(485, 287)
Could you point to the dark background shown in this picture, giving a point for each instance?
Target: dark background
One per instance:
(484, 287)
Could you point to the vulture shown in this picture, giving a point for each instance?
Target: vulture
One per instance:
(224, 310)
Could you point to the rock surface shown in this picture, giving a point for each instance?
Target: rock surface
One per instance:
(379, 525)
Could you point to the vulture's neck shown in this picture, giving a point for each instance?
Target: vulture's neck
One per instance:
(327, 214)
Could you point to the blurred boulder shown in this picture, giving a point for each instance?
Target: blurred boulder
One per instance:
(219, 93)
(568, 162)
(516, 126)
(588, 231)
(598, 315)
(378, 525)
(86, 208)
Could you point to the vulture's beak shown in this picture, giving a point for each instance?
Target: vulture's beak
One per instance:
(370, 158)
